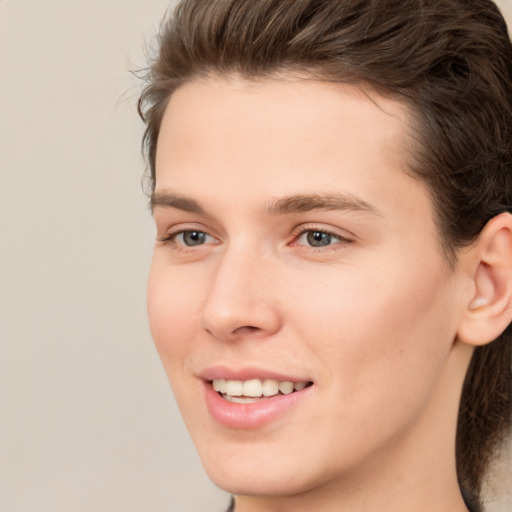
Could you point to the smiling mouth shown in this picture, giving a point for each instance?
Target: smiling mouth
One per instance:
(254, 390)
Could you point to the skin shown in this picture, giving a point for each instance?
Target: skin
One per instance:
(372, 318)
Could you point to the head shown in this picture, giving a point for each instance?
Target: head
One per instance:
(443, 66)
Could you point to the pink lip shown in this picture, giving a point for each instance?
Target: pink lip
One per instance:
(251, 415)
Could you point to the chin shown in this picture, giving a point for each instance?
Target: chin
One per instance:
(261, 470)
(256, 482)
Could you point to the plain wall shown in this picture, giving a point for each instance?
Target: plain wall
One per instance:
(87, 421)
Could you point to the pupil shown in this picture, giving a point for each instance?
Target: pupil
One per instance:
(193, 238)
(318, 239)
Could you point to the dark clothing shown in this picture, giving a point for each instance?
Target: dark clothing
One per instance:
(231, 507)
(473, 508)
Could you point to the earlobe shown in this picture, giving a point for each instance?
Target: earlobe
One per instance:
(489, 310)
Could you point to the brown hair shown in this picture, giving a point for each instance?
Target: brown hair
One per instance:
(450, 61)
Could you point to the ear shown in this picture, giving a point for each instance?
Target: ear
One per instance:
(489, 310)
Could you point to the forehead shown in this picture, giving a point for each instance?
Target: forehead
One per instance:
(302, 135)
(286, 115)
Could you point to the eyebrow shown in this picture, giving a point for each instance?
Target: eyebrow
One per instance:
(279, 206)
(308, 202)
(170, 200)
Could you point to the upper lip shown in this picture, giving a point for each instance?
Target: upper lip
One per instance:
(246, 373)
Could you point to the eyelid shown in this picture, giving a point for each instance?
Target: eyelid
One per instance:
(342, 236)
(171, 233)
(305, 228)
(171, 237)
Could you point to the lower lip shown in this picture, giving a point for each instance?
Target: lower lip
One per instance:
(251, 415)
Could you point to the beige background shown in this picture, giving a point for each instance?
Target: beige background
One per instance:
(87, 423)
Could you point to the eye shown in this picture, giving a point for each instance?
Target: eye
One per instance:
(318, 238)
(187, 238)
(191, 238)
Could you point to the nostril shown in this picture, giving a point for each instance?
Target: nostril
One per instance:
(226, 316)
(246, 329)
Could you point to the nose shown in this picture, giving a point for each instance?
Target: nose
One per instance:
(242, 300)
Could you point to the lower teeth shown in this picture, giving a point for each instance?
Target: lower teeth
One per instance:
(242, 399)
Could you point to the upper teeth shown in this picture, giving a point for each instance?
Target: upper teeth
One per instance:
(256, 387)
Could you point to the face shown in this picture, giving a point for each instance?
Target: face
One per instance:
(294, 253)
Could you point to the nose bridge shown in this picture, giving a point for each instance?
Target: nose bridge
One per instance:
(241, 297)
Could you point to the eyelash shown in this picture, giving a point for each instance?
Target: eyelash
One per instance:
(304, 230)
(170, 238)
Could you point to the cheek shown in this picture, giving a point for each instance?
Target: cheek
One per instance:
(172, 311)
(379, 334)
(173, 316)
